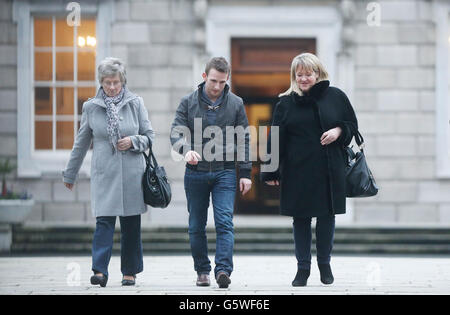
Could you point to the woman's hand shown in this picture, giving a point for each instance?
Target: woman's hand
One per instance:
(124, 144)
(273, 183)
(330, 136)
(69, 186)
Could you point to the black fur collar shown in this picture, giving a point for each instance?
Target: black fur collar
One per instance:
(314, 92)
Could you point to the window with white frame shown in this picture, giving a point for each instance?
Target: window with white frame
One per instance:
(56, 73)
(63, 60)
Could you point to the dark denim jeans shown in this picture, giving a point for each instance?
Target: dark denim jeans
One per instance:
(324, 240)
(130, 242)
(221, 186)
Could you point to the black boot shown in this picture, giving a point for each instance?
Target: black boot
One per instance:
(301, 278)
(102, 280)
(326, 276)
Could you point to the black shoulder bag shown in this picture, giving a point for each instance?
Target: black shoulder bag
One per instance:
(157, 192)
(359, 179)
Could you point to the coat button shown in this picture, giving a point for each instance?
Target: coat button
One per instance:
(121, 118)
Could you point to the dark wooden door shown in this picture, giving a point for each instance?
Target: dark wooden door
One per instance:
(261, 71)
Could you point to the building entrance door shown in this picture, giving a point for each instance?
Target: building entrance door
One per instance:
(261, 71)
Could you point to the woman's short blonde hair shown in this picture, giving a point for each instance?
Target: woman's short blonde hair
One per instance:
(111, 66)
(308, 62)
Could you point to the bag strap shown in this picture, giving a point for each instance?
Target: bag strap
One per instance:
(359, 140)
(150, 158)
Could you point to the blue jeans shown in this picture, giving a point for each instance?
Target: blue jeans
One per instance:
(324, 240)
(130, 242)
(221, 186)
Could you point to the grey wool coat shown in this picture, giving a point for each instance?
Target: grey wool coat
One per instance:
(116, 178)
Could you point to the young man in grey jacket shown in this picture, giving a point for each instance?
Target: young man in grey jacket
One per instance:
(210, 131)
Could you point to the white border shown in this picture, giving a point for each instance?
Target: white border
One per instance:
(442, 20)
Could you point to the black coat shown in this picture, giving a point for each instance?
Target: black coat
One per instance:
(312, 175)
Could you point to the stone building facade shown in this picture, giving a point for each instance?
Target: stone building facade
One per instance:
(393, 66)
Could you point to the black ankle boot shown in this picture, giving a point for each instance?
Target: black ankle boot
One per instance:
(326, 276)
(301, 278)
(102, 280)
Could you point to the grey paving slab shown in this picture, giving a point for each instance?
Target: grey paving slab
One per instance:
(265, 275)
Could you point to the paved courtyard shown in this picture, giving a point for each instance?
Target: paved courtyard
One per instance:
(264, 275)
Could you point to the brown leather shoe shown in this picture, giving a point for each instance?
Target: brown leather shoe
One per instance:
(203, 280)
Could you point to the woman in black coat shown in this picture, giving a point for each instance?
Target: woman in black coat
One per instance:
(316, 121)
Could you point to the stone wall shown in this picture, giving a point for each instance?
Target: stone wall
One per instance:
(395, 103)
(162, 41)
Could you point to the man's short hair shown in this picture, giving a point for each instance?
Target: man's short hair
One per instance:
(218, 63)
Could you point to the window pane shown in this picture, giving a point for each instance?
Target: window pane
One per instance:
(86, 66)
(64, 101)
(83, 95)
(87, 33)
(64, 134)
(43, 32)
(61, 67)
(43, 66)
(64, 66)
(64, 33)
(43, 135)
(87, 42)
(43, 100)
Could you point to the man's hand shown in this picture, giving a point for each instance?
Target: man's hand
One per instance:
(69, 186)
(330, 136)
(245, 185)
(124, 144)
(192, 157)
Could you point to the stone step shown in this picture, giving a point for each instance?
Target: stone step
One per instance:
(239, 238)
(247, 240)
(158, 248)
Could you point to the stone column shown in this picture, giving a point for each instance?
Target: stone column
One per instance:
(346, 72)
(201, 56)
(5, 238)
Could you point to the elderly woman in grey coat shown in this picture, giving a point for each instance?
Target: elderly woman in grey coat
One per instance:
(117, 123)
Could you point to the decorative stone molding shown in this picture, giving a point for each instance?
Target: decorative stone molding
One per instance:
(201, 55)
(200, 11)
(441, 13)
(348, 10)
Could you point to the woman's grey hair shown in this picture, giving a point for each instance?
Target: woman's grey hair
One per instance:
(111, 66)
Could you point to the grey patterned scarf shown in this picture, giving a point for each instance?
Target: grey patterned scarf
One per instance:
(112, 117)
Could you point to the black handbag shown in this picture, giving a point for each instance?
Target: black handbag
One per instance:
(359, 179)
(156, 187)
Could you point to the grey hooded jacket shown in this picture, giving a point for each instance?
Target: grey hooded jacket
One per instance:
(116, 188)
